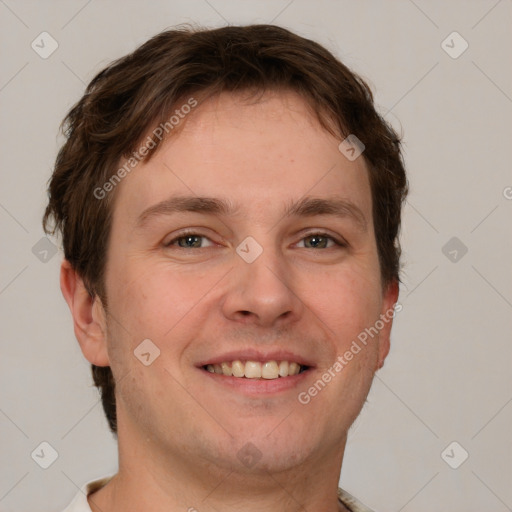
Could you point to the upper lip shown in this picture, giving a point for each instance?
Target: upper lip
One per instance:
(257, 355)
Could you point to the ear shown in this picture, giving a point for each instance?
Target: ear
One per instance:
(89, 317)
(389, 298)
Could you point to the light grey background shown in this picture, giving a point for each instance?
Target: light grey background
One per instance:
(448, 374)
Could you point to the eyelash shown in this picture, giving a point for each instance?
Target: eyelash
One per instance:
(339, 243)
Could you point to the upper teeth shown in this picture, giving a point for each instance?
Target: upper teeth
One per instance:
(255, 369)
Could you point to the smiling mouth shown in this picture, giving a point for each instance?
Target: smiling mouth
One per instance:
(256, 370)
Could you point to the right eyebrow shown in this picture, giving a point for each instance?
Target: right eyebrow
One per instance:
(177, 204)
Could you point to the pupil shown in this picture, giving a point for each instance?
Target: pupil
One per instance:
(315, 241)
(189, 241)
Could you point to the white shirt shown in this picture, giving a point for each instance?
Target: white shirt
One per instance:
(80, 504)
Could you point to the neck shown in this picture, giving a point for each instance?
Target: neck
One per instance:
(148, 479)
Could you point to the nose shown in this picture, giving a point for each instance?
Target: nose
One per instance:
(261, 292)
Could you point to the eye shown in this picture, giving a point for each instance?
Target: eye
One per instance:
(192, 240)
(189, 241)
(321, 241)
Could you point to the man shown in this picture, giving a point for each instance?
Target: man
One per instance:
(229, 202)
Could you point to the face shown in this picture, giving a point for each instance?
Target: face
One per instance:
(274, 270)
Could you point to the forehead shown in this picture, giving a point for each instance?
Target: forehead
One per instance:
(257, 153)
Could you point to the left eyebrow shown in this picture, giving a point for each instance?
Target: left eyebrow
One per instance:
(305, 207)
(336, 206)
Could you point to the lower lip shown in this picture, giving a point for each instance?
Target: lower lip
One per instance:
(256, 387)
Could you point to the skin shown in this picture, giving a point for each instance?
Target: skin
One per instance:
(197, 303)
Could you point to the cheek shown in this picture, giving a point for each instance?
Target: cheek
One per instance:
(347, 301)
(151, 299)
(161, 304)
(350, 305)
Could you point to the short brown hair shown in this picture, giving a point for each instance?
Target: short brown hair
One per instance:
(139, 91)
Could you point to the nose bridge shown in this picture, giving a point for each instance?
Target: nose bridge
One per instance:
(260, 284)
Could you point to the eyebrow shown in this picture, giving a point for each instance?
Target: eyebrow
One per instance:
(304, 207)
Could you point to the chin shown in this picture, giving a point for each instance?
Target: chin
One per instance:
(269, 450)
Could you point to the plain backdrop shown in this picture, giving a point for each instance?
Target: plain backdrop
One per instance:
(447, 379)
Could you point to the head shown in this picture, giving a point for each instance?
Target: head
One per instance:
(246, 123)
